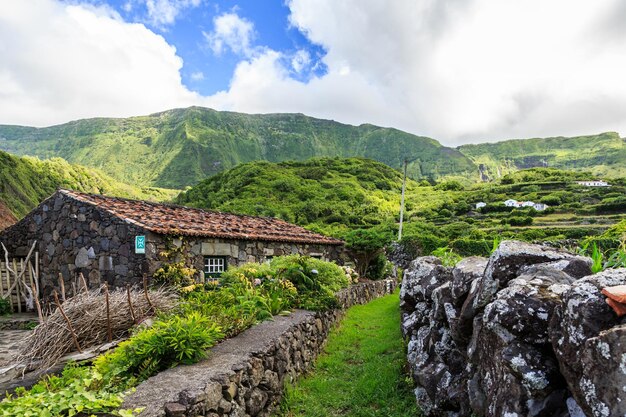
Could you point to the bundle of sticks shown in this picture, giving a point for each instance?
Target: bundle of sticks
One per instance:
(90, 318)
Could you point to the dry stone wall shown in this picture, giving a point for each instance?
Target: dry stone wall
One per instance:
(244, 376)
(523, 333)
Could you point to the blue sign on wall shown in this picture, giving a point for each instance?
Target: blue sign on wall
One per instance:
(140, 244)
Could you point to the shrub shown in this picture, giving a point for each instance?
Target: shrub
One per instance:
(379, 268)
(175, 274)
(169, 342)
(472, 247)
(447, 256)
(77, 391)
(5, 306)
(328, 274)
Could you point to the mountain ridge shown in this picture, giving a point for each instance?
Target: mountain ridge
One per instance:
(180, 147)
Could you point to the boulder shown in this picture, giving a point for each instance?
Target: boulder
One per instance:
(580, 330)
(513, 378)
(604, 373)
(507, 262)
(420, 279)
(466, 271)
(526, 305)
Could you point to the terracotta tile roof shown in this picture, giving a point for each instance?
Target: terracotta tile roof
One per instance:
(170, 219)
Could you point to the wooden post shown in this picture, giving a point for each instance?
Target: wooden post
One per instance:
(1, 279)
(37, 272)
(130, 304)
(84, 282)
(17, 287)
(9, 297)
(145, 291)
(67, 320)
(62, 285)
(39, 312)
(106, 299)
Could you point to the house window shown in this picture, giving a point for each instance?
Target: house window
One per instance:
(214, 266)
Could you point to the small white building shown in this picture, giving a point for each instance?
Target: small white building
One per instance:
(540, 206)
(480, 205)
(511, 203)
(593, 183)
(526, 204)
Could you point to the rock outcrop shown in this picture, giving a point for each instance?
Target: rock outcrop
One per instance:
(525, 333)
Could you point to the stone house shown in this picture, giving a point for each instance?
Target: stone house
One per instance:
(103, 237)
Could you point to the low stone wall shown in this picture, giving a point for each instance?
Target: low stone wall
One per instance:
(526, 332)
(244, 376)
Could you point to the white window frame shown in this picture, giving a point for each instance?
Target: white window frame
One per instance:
(214, 265)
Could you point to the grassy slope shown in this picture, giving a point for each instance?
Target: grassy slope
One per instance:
(26, 181)
(181, 147)
(603, 154)
(360, 372)
(330, 194)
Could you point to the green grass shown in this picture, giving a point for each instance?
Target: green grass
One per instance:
(360, 372)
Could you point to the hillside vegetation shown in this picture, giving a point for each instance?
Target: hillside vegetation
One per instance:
(26, 181)
(328, 194)
(181, 147)
(602, 155)
(337, 195)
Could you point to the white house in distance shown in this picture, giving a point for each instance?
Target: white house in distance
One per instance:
(593, 183)
(515, 203)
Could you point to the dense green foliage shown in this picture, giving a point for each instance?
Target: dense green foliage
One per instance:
(206, 314)
(360, 372)
(328, 194)
(603, 154)
(178, 148)
(25, 182)
(77, 390)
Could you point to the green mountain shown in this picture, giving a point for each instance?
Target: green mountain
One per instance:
(181, 147)
(602, 155)
(26, 181)
(327, 194)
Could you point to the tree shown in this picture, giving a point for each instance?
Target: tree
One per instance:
(366, 244)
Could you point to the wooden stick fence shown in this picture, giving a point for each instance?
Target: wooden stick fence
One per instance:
(19, 280)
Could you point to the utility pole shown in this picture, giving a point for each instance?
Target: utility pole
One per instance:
(402, 202)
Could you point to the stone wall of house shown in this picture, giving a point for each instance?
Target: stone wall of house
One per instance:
(74, 237)
(526, 332)
(245, 375)
(236, 252)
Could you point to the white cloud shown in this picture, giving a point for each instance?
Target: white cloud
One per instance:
(455, 70)
(197, 76)
(470, 70)
(162, 13)
(63, 62)
(231, 32)
(300, 60)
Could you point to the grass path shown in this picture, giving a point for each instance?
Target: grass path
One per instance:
(360, 372)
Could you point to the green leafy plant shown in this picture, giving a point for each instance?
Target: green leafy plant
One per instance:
(448, 256)
(169, 342)
(79, 390)
(597, 257)
(175, 274)
(366, 244)
(5, 306)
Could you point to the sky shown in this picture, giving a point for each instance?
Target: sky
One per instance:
(460, 71)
